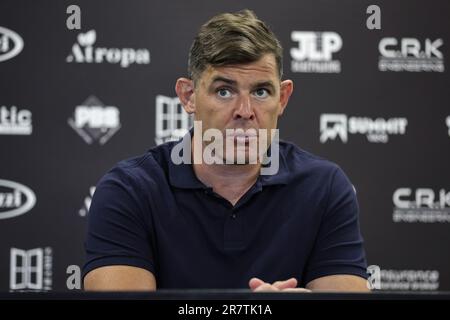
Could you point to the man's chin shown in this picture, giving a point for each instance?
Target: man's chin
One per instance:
(243, 159)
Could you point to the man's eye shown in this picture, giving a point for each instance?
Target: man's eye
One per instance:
(224, 93)
(262, 93)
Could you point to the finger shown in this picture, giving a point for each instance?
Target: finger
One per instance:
(290, 283)
(265, 288)
(255, 283)
(296, 290)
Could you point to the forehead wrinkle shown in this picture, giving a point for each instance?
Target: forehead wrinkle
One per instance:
(259, 78)
(264, 71)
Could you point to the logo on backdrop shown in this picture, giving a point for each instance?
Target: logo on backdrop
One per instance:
(376, 130)
(11, 44)
(448, 124)
(172, 122)
(410, 54)
(423, 205)
(94, 121)
(87, 202)
(314, 53)
(84, 52)
(15, 122)
(31, 270)
(374, 279)
(402, 279)
(15, 199)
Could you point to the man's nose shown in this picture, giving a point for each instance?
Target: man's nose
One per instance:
(244, 109)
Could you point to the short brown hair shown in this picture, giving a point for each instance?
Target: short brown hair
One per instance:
(233, 38)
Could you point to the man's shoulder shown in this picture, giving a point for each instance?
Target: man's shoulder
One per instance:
(313, 174)
(148, 166)
(300, 161)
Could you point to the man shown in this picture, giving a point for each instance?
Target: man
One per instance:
(155, 223)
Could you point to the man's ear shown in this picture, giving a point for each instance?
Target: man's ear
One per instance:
(185, 91)
(286, 88)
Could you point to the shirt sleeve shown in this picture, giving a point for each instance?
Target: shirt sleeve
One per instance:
(118, 230)
(338, 248)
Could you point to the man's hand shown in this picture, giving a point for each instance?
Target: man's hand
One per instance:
(290, 285)
(333, 283)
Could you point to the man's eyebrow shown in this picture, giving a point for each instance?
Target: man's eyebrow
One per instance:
(267, 83)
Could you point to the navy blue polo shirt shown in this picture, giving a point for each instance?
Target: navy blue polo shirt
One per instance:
(302, 222)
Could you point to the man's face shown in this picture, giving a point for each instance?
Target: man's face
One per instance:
(244, 96)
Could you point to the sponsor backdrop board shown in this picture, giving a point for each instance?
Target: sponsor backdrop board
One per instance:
(370, 94)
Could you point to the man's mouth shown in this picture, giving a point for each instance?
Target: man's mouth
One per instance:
(242, 137)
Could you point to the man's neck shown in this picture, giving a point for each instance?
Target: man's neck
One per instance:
(231, 181)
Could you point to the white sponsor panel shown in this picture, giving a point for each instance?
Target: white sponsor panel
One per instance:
(15, 199)
(14, 121)
(314, 52)
(421, 205)
(11, 44)
(410, 55)
(94, 121)
(333, 126)
(402, 280)
(84, 51)
(172, 122)
(31, 270)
